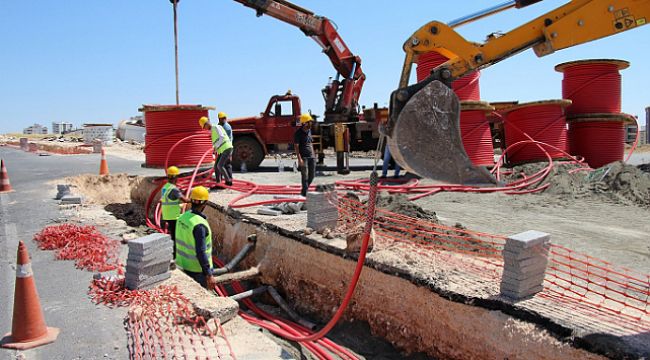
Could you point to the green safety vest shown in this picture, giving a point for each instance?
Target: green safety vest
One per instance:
(186, 257)
(171, 209)
(220, 139)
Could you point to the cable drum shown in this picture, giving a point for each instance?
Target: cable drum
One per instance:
(166, 125)
(598, 138)
(466, 88)
(542, 121)
(594, 86)
(475, 132)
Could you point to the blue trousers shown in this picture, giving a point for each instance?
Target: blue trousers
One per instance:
(384, 167)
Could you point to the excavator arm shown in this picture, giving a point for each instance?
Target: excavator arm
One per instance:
(425, 116)
(341, 95)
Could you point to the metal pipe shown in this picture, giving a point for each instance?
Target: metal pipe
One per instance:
(252, 239)
(483, 13)
(287, 309)
(246, 294)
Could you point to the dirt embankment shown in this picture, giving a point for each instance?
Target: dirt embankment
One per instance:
(104, 190)
(616, 182)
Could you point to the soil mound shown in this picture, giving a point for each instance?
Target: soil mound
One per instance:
(400, 204)
(617, 182)
(104, 190)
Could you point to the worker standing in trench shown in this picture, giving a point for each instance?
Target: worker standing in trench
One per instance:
(223, 122)
(222, 147)
(303, 144)
(194, 240)
(170, 203)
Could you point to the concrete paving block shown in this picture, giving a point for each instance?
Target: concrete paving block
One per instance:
(531, 269)
(515, 276)
(159, 256)
(520, 295)
(528, 239)
(152, 250)
(149, 241)
(521, 253)
(267, 211)
(532, 261)
(151, 270)
(133, 284)
(62, 190)
(519, 286)
(71, 199)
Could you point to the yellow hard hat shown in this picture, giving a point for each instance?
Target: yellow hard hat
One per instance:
(199, 193)
(305, 118)
(222, 115)
(173, 171)
(202, 121)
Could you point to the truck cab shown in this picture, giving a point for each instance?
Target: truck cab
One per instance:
(270, 132)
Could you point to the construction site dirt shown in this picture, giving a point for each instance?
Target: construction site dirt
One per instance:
(420, 299)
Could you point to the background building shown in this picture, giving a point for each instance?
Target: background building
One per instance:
(35, 129)
(61, 127)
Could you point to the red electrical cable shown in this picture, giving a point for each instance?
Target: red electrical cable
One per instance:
(165, 126)
(544, 122)
(466, 88)
(477, 137)
(594, 86)
(599, 142)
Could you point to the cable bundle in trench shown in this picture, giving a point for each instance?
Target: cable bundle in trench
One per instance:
(166, 125)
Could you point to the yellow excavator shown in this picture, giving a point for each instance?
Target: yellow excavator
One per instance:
(423, 131)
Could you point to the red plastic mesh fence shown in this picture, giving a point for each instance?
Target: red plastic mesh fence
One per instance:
(161, 323)
(89, 248)
(584, 284)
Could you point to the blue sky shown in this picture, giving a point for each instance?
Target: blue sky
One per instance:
(98, 61)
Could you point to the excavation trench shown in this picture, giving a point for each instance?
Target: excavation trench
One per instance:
(408, 311)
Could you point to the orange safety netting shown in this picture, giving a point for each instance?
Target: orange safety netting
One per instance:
(89, 248)
(587, 285)
(162, 324)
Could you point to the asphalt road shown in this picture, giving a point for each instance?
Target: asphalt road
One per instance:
(87, 331)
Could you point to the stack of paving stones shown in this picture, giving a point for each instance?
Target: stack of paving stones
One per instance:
(322, 210)
(148, 261)
(525, 257)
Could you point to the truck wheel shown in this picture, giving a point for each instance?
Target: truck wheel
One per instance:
(248, 150)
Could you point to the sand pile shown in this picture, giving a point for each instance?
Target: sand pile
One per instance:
(617, 182)
(104, 190)
(400, 204)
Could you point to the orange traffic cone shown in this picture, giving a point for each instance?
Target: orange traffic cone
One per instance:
(5, 186)
(103, 165)
(28, 328)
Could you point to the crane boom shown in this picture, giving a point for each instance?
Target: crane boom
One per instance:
(341, 95)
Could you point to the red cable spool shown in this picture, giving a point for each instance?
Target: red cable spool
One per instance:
(475, 132)
(598, 138)
(594, 86)
(466, 88)
(166, 125)
(543, 121)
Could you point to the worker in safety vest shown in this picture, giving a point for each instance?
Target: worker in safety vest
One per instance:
(304, 147)
(223, 122)
(170, 203)
(223, 149)
(194, 240)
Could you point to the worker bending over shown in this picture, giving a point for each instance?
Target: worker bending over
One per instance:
(170, 203)
(303, 144)
(194, 240)
(223, 122)
(222, 148)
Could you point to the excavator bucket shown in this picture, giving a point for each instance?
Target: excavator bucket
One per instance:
(424, 135)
